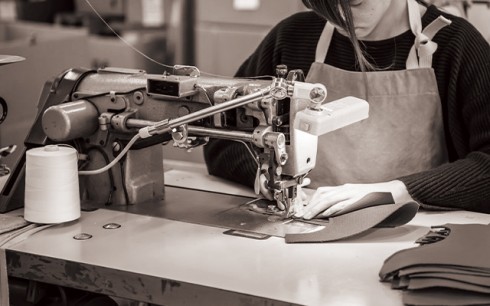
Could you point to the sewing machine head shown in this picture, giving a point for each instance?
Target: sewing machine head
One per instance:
(100, 112)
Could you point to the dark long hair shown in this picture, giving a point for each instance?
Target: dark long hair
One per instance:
(339, 13)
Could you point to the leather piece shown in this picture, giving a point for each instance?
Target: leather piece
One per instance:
(356, 222)
(454, 270)
(444, 296)
(450, 252)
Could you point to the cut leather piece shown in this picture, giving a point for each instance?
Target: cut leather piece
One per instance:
(443, 296)
(443, 270)
(480, 280)
(451, 271)
(426, 283)
(452, 251)
(359, 221)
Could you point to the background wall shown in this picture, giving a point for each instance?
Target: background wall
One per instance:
(228, 31)
(479, 15)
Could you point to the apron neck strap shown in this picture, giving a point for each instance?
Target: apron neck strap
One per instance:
(326, 36)
(420, 55)
(414, 17)
(324, 43)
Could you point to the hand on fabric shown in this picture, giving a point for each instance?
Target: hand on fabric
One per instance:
(327, 200)
(302, 198)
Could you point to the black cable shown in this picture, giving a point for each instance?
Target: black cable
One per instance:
(110, 174)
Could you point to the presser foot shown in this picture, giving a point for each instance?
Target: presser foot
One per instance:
(267, 207)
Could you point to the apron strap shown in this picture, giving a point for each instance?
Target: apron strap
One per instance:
(420, 55)
(324, 43)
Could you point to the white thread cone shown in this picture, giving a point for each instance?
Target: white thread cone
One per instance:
(51, 193)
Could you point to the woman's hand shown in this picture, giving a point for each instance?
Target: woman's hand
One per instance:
(327, 201)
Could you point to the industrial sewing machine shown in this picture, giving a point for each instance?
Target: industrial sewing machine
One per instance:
(123, 115)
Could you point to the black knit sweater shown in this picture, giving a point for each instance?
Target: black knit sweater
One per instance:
(462, 67)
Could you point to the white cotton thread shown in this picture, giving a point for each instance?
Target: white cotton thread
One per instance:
(51, 185)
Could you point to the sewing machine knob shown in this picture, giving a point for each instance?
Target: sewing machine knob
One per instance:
(180, 134)
(138, 98)
(318, 95)
(296, 75)
(278, 121)
(283, 158)
(71, 120)
(279, 93)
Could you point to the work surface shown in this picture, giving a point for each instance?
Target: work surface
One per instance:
(154, 259)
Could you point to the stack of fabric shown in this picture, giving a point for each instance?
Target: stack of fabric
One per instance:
(450, 267)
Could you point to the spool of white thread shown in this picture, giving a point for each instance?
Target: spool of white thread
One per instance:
(51, 191)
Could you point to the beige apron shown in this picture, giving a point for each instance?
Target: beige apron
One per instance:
(404, 133)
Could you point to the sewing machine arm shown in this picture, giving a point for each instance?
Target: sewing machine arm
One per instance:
(120, 115)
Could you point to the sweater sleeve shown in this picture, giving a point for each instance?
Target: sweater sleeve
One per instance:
(230, 160)
(464, 182)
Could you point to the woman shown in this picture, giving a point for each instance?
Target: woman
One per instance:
(426, 76)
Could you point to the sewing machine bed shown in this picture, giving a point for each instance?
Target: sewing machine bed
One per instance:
(218, 210)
